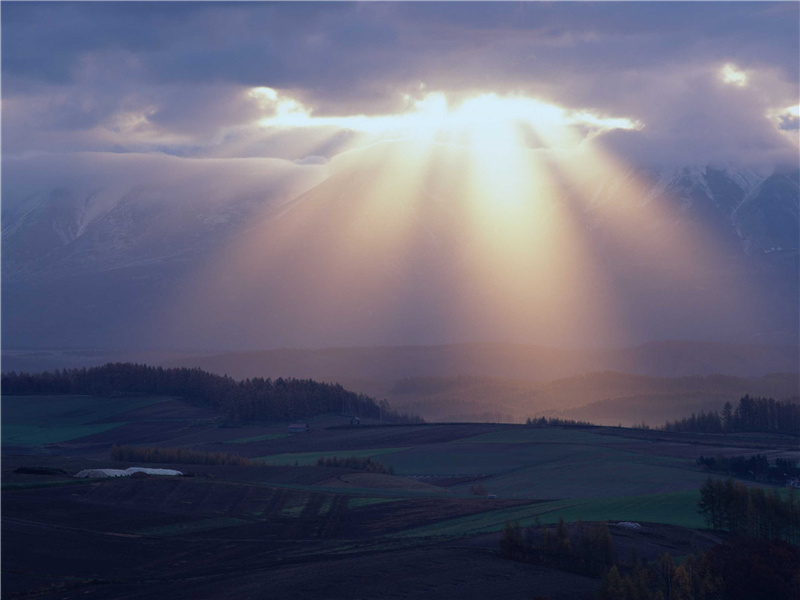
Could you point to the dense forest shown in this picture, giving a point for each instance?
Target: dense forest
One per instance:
(751, 414)
(254, 399)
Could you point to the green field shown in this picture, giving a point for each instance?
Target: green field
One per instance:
(548, 470)
(570, 472)
(596, 472)
(194, 526)
(35, 420)
(677, 508)
(359, 502)
(36, 435)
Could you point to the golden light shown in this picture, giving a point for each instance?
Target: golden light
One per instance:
(733, 75)
(432, 114)
(475, 220)
(787, 113)
(496, 240)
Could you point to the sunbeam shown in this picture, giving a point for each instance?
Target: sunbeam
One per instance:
(493, 218)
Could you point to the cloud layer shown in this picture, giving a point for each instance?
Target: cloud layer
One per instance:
(176, 77)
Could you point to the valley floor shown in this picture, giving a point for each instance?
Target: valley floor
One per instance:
(286, 528)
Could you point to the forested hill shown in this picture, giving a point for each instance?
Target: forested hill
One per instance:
(751, 414)
(241, 401)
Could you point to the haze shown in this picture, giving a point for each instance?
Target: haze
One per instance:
(250, 176)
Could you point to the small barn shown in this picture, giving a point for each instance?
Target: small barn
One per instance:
(355, 421)
(299, 427)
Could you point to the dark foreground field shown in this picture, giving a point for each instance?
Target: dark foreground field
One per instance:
(286, 528)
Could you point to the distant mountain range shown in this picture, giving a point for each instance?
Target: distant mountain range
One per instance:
(508, 361)
(509, 382)
(131, 251)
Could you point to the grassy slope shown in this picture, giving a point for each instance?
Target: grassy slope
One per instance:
(36, 420)
(549, 463)
(586, 473)
(575, 471)
(677, 508)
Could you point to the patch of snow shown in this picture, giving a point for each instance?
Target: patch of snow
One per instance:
(126, 472)
(629, 525)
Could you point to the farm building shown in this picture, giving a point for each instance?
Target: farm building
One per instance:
(126, 472)
(299, 427)
(355, 421)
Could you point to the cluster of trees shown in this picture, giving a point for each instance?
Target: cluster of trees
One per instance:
(254, 399)
(156, 454)
(652, 580)
(751, 414)
(355, 462)
(738, 570)
(586, 549)
(756, 467)
(555, 422)
(750, 511)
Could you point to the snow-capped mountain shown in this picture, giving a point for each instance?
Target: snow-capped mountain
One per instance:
(115, 250)
(112, 212)
(761, 208)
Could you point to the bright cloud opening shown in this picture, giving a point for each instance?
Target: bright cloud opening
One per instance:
(433, 113)
(733, 75)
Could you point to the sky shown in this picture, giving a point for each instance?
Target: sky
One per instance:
(412, 172)
(698, 82)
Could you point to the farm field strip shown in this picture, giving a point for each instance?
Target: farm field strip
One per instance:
(193, 526)
(359, 491)
(361, 501)
(24, 485)
(310, 458)
(38, 435)
(39, 420)
(70, 410)
(258, 438)
(542, 435)
(601, 477)
(679, 508)
(672, 508)
(497, 458)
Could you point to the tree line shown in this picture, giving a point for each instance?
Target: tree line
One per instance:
(740, 569)
(758, 467)
(750, 511)
(186, 456)
(587, 549)
(355, 462)
(556, 422)
(255, 399)
(750, 414)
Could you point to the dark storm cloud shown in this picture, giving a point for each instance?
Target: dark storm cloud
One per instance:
(186, 67)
